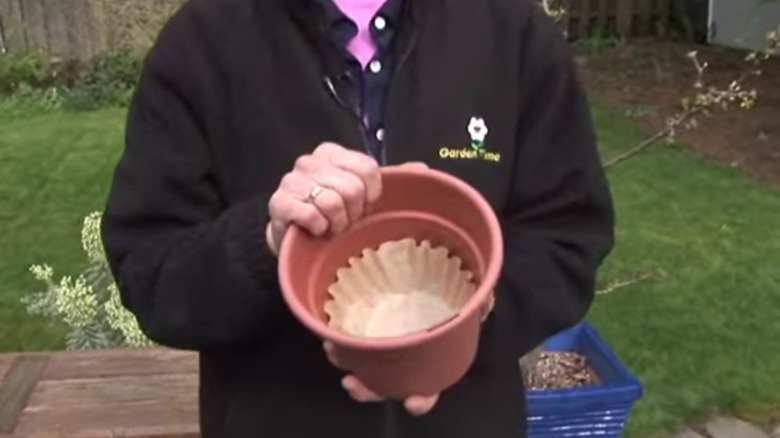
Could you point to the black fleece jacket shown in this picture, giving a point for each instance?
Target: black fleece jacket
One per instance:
(233, 92)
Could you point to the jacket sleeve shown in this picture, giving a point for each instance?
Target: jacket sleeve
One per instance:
(559, 222)
(196, 273)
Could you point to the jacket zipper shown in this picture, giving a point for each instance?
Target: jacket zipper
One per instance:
(367, 143)
(397, 69)
(382, 159)
(352, 112)
(356, 114)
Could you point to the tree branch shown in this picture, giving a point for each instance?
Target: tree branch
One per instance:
(638, 148)
(619, 284)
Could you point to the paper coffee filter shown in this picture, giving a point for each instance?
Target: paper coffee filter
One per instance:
(400, 288)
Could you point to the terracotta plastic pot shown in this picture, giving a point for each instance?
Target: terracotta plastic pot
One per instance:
(422, 204)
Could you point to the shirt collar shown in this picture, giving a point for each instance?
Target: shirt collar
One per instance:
(390, 11)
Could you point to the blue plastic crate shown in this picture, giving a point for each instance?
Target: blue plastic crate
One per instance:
(598, 411)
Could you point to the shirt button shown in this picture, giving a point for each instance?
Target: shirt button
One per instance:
(380, 23)
(375, 66)
(380, 134)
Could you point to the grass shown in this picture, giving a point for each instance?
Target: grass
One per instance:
(701, 339)
(55, 171)
(704, 338)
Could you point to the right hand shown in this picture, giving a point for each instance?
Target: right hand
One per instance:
(325, 192)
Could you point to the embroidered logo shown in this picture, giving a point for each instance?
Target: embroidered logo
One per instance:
(478, 131)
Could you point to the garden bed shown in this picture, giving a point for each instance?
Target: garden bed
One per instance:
(646, 80)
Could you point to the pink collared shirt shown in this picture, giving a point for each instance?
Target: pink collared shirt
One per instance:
(361, 12)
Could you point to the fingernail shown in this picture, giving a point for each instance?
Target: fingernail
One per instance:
(413, 406)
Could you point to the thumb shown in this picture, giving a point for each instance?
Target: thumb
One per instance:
(271, 239)
(488, 306)
(420, 405)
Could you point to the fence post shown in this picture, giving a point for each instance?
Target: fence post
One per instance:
(603, 15)
(662, 20)
(646, 20)
(56, 28)
(34, 25)
(566, 20)
(625, 11)
(11, 26)
(585, 14)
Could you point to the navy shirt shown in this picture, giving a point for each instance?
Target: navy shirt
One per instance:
(369, 87)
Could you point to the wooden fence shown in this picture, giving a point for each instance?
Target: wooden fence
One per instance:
(82, 28)
(628, 18)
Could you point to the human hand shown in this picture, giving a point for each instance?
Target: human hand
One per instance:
(416, 405)
(325, 192)
(488, 307)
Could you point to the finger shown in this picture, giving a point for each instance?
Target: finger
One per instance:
(298, 184)
(330, 353)
(297, 187)
(359, 164)
(420, 405)
(308, 217)
(285, 209)
(272, 239)
(331, 205)
(488, 307)
(358, 391)
(348, 186)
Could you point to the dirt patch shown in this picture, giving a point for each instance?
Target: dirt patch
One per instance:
(646, 80)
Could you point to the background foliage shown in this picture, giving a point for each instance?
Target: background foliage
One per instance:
(30, 81)
(89, 305)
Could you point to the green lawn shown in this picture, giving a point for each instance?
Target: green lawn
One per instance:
(55, 170)
(703, 338)
(706, 337)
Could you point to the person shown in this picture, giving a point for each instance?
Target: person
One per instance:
(252, 115)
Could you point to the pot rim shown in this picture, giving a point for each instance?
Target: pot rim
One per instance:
(472, 307)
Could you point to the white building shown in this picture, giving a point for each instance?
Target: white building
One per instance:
(742, 24)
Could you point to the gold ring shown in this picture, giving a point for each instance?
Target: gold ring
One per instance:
(316, 191)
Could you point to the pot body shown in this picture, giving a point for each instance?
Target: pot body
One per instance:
(419, 204)
(425, 369)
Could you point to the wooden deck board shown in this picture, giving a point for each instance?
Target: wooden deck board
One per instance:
(123, 389)
(5, 364)
(179, 431)
(122, 418)
(19, 382)
(142, 361)
(133, 393)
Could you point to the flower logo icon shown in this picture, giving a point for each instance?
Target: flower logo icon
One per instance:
(478, 130)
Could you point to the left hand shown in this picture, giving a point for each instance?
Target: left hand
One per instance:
(416, 404)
